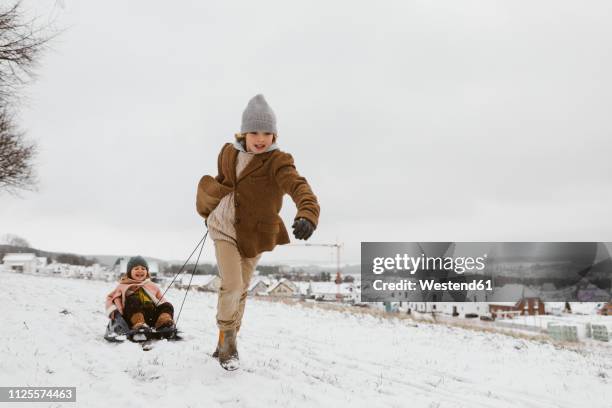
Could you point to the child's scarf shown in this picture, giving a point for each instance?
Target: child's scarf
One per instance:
(125, 280)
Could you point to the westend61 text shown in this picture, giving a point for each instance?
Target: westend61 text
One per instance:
(404, 284)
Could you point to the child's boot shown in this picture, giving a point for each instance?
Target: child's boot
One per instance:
(228, 351)
(215, 353)
(164, 320)
(138, 321)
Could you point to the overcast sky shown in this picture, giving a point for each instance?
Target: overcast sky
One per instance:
(411, 120)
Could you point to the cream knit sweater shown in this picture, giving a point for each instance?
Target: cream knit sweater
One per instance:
(221, 220)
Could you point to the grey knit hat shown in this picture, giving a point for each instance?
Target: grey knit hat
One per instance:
(136, 261)
(258, 116)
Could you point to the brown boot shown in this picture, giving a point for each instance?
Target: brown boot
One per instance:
(138, 321)
(228, 351)
(164, 320)
(215, 353)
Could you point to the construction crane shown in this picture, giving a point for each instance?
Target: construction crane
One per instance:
(338, 280)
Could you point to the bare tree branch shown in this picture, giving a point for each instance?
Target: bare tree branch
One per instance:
(21, 43)
(16, 157)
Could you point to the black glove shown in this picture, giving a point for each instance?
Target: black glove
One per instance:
(302, 228)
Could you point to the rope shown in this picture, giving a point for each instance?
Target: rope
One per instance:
(178, 316)
(201, 246)
(182, 267)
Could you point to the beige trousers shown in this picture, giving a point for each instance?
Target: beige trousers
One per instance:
(235, 272)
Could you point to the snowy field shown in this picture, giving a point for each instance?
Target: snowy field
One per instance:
(292, 356)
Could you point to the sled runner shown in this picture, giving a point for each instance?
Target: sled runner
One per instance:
(118, 331)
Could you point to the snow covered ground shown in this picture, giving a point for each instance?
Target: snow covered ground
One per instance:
(292, 356)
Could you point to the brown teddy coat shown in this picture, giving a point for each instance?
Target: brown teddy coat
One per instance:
(258, 197)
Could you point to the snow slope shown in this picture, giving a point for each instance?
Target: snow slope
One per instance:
(292, 356)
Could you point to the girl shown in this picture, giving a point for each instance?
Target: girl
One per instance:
(139, 299)
(241, 207)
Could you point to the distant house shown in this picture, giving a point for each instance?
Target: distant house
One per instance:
(606, 309)
(423, 307)
(22, 262)
(461, 309)
(330, 291)
(503, 309)
(454, 309)
(41, 262)
(204, 283)
(526, 306)
(448, 308)
(283, 288)
(302, 288)
(258, 286)
(557, 308)
(584, 308)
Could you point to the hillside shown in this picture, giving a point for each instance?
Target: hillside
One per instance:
(292, 356)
